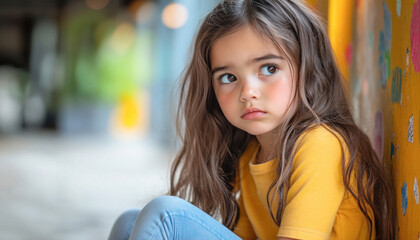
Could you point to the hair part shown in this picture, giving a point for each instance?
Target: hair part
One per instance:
(205, 170)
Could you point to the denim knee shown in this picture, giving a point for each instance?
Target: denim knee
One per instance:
(169, 217)
(128, 216)
(166, 203)
(122, 227)
(163, 206)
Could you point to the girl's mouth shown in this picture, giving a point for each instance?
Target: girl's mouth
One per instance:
(252, 113)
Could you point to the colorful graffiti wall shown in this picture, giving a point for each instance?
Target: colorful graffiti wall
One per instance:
(377, 45)
(383, 59)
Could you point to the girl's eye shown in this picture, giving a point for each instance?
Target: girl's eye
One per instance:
(269, 70)
(227, 78)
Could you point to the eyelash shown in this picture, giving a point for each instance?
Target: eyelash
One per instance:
(260, 69)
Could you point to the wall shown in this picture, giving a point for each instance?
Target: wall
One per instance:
(377, 45)
(383, 59)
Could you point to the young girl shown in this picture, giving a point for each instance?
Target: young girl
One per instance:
(270, 148)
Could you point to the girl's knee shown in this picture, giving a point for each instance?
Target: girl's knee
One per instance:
(166, 203)
(127, 218)
(123, 225)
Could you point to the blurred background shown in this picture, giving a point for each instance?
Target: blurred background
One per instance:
(87, 94)
(88, 90)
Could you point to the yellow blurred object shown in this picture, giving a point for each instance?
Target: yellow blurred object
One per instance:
(131, 114)
(340, 22)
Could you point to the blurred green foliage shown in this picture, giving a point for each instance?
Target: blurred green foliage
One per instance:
(100, 58)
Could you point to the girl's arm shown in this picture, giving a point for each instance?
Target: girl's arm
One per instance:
(283, 238)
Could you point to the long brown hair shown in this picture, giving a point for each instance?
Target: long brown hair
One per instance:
(205, 169)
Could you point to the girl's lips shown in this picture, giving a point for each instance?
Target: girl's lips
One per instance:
(252, 113)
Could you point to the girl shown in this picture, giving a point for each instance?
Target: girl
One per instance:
(270, 148)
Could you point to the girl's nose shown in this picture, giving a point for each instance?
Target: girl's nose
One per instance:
(250, 92)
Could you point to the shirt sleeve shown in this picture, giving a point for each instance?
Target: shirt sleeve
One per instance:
(244, 228)
(316, 188)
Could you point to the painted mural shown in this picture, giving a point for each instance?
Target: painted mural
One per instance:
(385, 94)
(377, 45)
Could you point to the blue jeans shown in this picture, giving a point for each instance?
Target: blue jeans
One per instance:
(168, 217)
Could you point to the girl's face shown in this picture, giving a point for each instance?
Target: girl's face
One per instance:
(252, 81)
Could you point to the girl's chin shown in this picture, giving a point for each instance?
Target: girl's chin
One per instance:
(257, 129)
(257, 132)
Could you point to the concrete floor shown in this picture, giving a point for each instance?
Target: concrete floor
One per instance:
(74, 187)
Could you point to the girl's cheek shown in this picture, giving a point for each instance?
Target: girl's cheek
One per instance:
(227, 88)
(225, 93)
(224, 101)
(280, 91)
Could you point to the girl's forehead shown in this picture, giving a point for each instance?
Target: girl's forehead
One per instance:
(242, 44)
(246, 30)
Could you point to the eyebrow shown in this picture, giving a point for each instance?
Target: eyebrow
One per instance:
(258, 59)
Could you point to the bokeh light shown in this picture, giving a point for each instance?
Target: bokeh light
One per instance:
(146, 12)
(174, 15)
(97, 4)
(123, 37)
